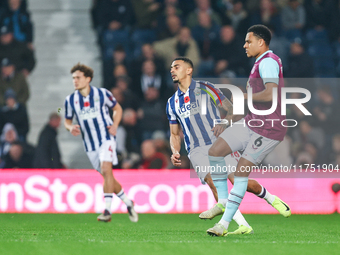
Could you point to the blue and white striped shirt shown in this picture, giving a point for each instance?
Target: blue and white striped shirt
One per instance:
(195, 111)
(92, 114)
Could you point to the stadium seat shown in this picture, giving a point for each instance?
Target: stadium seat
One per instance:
(112, 38)
(140, 37)
(313, 35)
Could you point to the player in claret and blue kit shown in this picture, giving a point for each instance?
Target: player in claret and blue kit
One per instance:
(255, 140)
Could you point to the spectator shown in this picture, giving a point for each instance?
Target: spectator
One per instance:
(293, 19)
(9, 135)
(306, 133)
(151, 113)
(229, 56)
(114, 14)
(202, 6)
(280, 46)
(17, 157)
(162, 145)
(118, 58)
(326, 111)
(318, 13)
(172, 27)
(15, 113)
(20, 19)
(181, 45)
(151, 159)
(146, 12)
(237, 17)
(119, 70)
(148, 53)
(335, 155)
(267, 15)
(170, 9)
(327, 118)
(149, 78)
(129, 139)
(300, 64)
(115, 18)
(19, 53)
(206, 34)
(11, 79)
(125, 97)
(47, 154)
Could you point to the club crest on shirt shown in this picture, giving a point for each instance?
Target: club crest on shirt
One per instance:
(197, 91)
(96, 99)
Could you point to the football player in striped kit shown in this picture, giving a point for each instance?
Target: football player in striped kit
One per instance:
(184, 112)
(90, 106)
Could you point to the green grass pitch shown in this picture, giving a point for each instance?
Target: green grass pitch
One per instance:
(165, 234)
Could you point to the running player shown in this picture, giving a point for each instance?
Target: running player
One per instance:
(183, 111)
(256, 140)
(90, 106)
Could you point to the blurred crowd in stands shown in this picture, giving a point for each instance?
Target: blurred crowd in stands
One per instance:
(140, 38)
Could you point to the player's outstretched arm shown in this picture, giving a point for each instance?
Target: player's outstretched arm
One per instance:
(117, 117)
(175, 144)
(74, 129)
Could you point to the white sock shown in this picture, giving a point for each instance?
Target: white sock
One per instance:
(223, 201)
(108, 200)
(224, 223)
(266, 195)
(124, 198)
(240, 220)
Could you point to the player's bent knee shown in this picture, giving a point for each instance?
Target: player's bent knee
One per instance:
(213, 151)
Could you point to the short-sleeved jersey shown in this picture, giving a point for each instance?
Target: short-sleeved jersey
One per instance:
(186, 109)
(92, 113)
(267, 68)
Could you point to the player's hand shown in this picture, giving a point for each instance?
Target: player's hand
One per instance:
(112, 130)
(175, 159)
(218, 129)
(75, 130)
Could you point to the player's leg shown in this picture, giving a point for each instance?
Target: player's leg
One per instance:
(200, 162)
(219, 178)
(108, 156)
(255, 151)
(260, 191)
(208, 180)
(234, 199)
(107, 187)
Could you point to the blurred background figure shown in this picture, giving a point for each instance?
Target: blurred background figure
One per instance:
(151, 159)
(15, 113)
(293, 19)
(300, 64)
(17, 15)
(47, 154)
(151, 113)
(19, 53)
(11, 79)
(9, 135)
(230, 60)
(18, 157)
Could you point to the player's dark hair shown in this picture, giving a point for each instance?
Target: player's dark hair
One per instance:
(88, 71)
(262, 32)
(186, 60)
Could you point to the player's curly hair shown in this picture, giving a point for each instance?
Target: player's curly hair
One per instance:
(262, 32)
(88, 71)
